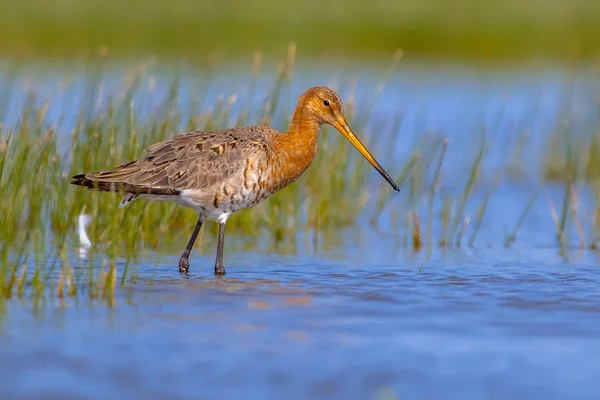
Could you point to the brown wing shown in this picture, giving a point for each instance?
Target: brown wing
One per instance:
(192, 160)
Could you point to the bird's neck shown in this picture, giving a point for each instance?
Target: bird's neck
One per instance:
(302, 136)
(299, 145)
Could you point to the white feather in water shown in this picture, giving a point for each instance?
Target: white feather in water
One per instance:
(84, 241)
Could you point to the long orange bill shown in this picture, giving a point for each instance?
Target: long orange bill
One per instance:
(345, 130)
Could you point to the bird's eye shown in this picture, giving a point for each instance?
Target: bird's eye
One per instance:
(326, 103)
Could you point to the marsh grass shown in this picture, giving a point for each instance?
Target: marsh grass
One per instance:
(40, 208)
(112, 125)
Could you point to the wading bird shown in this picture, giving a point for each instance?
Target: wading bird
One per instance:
(217, 173)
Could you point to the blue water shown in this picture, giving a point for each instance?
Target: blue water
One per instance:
(497, 324)
(354, 316)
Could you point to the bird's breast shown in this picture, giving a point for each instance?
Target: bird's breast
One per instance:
(250, 185)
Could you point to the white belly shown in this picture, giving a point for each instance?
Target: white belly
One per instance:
(217, 203)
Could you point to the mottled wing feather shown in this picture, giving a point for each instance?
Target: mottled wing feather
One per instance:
(193, 160)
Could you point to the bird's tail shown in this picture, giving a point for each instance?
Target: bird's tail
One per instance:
(91, 182)
(131, 191)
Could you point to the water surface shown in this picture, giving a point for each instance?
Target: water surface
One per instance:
(465, 327)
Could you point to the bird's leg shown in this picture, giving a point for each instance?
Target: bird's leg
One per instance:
(219, 268)
(184, 264)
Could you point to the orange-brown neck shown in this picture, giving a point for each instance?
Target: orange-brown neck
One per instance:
(297, 148)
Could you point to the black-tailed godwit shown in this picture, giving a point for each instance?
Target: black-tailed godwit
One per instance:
(217, 173)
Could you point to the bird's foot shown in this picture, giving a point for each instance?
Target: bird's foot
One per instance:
(219, 270)
(184, 265)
